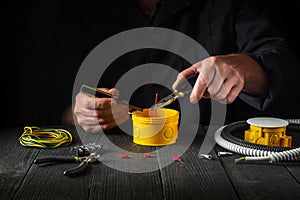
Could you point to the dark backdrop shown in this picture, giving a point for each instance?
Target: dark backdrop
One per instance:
(37, 74)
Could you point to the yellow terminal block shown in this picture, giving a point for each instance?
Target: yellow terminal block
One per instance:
(268, 131)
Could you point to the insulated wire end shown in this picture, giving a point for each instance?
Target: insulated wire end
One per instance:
(254, 158)
(240, 159)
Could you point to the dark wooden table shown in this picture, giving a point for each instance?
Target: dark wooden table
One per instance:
(194, 178)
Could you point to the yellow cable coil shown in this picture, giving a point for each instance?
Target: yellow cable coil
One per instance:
(45, 137)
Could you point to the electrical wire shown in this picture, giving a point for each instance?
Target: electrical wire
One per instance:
(45, 137)
(255, 151)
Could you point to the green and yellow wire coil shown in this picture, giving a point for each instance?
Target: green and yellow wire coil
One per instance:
(45, 137)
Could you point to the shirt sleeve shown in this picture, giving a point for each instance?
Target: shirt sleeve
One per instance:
(258, 38)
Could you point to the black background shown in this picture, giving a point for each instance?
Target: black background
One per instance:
(35, 88)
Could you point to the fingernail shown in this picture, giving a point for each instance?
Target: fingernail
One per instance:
(193, 99)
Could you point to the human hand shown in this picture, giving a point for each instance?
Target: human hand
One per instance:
(96, 114)
(222, 78)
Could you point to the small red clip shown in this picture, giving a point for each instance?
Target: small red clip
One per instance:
(147, 155)
(124, 155)
(177, 159)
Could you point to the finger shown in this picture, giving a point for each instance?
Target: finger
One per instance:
(122, 105)
(109, 123)
(115, 122)
(230, 88)
(94, 103)
(111, 117)
(233, 94)
(216, 83)
(88, 112)
(92, 117)
(198, 89)
(80, 111)
(207, 72)
(113, 112)
(97, 125)
(186, 73)
(104, 103)
(103, 113)
(114, 92)
(87, 120)
(223, 91)
(118, 111)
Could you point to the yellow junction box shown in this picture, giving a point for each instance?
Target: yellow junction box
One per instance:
(155, 127)
(268, 136)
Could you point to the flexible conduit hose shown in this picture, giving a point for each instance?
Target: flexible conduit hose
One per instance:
(225, 139)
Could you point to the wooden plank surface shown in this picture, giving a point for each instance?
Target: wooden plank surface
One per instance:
(293, 167)
(112, 184)
(261, 179)
(99, 182)
(15, 161)
(48, 181)
(114, 178)
(195, 178)
(121, 183)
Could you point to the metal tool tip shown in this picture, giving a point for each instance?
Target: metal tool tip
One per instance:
(153, 108)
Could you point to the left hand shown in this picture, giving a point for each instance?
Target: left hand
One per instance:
(95, 114)
(222, 78)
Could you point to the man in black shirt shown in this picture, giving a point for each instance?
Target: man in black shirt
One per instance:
(258, 70)
(250, 67)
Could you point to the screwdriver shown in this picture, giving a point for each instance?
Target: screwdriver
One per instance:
(180, 91)
(95, 92)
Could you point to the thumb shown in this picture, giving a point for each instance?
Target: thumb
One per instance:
(114, 92)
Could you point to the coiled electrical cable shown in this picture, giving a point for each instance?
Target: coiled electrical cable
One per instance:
(225, 139)
(45, 137)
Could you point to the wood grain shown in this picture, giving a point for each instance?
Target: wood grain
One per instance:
(261, 180)
(195, 178)
(136, 177)
(15, 161)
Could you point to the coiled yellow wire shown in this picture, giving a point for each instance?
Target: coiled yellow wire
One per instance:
(45, 137)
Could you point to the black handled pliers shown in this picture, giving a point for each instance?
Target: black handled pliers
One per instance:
(84, 161)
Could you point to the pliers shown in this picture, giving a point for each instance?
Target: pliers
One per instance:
(84, 161)
(180, 91)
